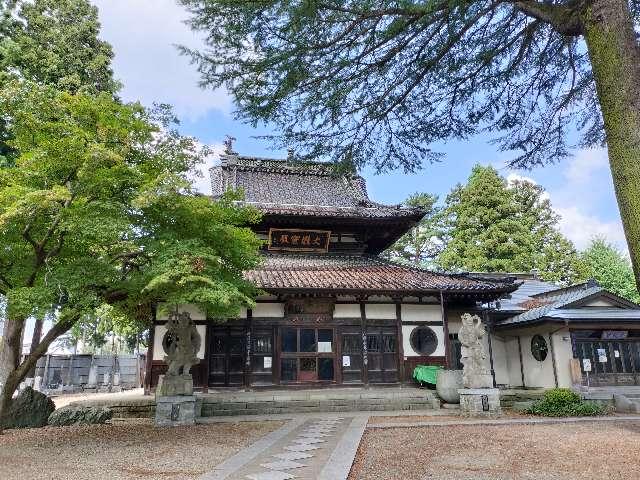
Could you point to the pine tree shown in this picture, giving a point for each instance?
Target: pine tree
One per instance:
(553, 256)
(420, 245)
(485, 231)
(495, 226)
(604, 262)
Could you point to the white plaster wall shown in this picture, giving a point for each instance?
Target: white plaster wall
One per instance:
(381, 311)
(564, 354)
(536, 374)
(500, 360)
(513, 362)
(243, 313)
(421, 313)
(194, 312)
(599, 303)
(347, 310)
(406, 341)
(160, 330)
(269, 310)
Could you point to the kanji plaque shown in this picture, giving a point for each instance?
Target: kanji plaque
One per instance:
(298, 240)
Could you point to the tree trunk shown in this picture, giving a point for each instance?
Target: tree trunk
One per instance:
(20, 371)
(615, 59)
(35, 341)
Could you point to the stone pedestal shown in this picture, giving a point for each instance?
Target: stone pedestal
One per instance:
(479, 402)
(174, 411)
(174, 385)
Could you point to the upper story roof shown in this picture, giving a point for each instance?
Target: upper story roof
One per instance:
(288, 187)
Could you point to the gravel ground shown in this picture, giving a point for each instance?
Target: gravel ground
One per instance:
(511, 452)
(64, 400)
(124, 450)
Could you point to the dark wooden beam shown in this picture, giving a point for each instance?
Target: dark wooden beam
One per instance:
(445, 327)
(521, 364)
(363, 327)
(401, 376)
(149, 359)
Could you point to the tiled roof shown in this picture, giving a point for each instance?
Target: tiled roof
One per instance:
(366, 274)
(557, 305)
(285, 187)
(524, 297)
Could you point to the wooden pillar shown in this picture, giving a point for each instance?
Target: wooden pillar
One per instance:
(445, 327)
(207, 360)
(275, 364)
(248, 331)
(553, 360)
(363, 328)
(401, 375)
(521, 364)
(149, 362)
(485, 318)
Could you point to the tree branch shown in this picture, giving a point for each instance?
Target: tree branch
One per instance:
(563, 19)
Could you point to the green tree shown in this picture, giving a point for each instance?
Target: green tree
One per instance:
(55, 42)
(379, 81)
(553, 256)
(98, 213)
(495, 226)
(52, 42)
(421, 244)
(485, 232)
(604, 262)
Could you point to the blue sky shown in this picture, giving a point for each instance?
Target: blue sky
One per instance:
(143, 34)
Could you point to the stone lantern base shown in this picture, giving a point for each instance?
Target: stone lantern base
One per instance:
(480, 402)
(176, 411)
(173, 385)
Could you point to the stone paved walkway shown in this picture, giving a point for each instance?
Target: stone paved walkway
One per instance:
(314, 447)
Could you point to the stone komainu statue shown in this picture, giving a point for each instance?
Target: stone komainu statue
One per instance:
(474, 372)
(181, 343)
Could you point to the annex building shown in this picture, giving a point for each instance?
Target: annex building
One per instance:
(334, 313)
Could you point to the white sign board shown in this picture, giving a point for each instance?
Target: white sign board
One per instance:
(346, 361)
(324, 347)
(267, 362)
(586, 364)
(616, 353)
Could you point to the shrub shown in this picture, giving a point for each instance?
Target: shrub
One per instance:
(562, 402)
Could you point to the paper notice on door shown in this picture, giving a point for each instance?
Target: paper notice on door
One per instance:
(616, 353)
(346, 361)
(267, 362)
(324, 347)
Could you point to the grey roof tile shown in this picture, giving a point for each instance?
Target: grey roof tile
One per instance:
(284, 187)
(362, 273)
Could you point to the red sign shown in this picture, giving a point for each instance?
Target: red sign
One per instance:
(296, 240)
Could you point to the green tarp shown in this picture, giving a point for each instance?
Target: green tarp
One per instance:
(426, 373)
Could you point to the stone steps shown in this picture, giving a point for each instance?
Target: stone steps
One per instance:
(212, 406)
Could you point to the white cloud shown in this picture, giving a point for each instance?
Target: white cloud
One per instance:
(585, 164)
(587, 185)
(143, 34)
(200, 178)
(581, 228)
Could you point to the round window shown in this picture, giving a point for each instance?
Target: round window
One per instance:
(424, 340)
(539, 348)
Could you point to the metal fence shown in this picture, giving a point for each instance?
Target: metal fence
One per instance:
(82, 372)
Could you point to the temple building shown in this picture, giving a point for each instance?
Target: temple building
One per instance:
(335, 313)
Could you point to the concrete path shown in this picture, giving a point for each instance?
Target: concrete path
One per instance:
(505, 421)
(310, 447)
